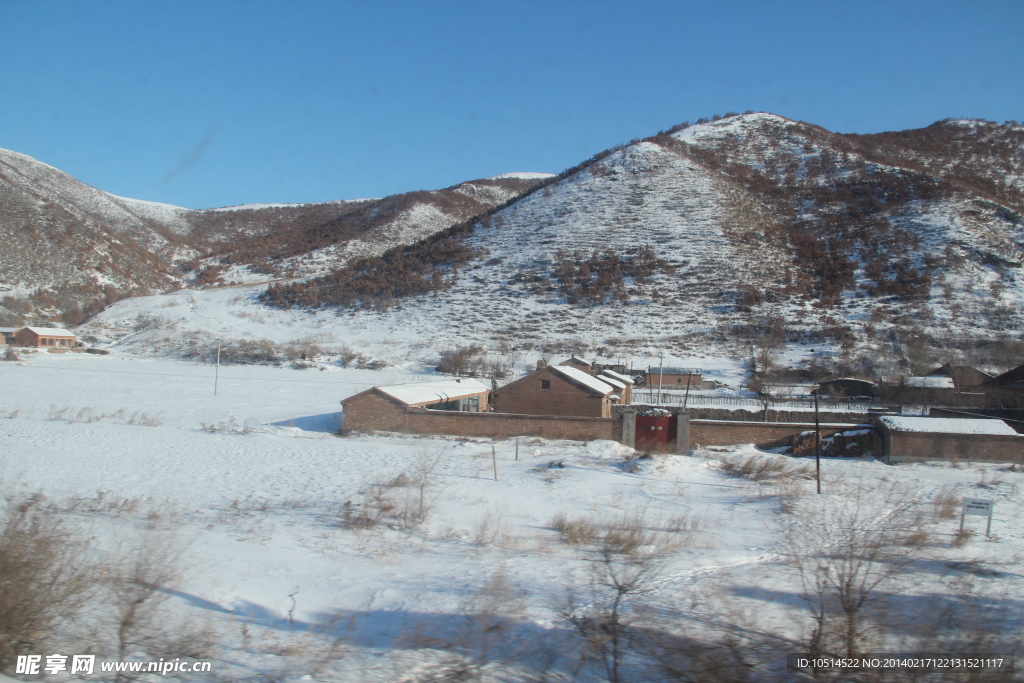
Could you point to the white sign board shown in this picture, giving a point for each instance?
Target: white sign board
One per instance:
(977, 506)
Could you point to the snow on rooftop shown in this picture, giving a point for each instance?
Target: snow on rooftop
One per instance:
(947, 425)
(618, 376)
(525, 175)
(51, 331)
(425, 392)
(929, 382)
(583, 378)
(617, 383)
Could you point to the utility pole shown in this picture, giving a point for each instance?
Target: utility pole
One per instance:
(817, 442)
(661, 377)
(494, 462)
(686, 396)
(216, 373)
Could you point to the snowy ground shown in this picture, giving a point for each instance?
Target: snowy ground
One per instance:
(255, 487)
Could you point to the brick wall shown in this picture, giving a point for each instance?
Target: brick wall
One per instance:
(374, 413)
(525, 397)
(921, 446)
(761, 434)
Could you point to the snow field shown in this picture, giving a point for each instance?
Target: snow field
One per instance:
(258, 501)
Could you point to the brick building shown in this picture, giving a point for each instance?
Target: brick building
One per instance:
(616, 379)
(916, 439)
(575, 362)
(674, 378)
(44, 337)
(557, 390)
(382, 408)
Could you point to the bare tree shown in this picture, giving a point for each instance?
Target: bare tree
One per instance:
(139, 588)
(622, 568)
(851, 559)
(44, 581)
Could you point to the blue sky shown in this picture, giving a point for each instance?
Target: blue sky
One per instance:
(206, 104)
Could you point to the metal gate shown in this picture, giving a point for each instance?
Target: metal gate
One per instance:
(654, 431)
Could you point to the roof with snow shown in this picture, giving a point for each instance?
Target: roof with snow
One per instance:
(50, 331)
(929, 382)
(617, 383)
(433, 392)
(583, 378)
(946, 425)
(8, 330)
(617, 375)
(676, 371)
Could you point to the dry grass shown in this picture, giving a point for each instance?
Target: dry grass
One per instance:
(89, 415)
(629, 532)
(761, 468)
(946, 503)
(229, 426)
(573, 531)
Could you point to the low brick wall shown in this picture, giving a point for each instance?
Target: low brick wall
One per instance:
(491, 425)
(761, 434)
(921, 446)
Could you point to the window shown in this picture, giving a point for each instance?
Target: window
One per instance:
(679, 380)
(545, 384)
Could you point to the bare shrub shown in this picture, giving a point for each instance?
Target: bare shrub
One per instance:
(703, 657)
(144, 419)
(347, 355)
(489, 528)
(139, 587)
(462, 360)
(227, 426)
(945, 503)
(405, 500)
(420, 498)
(851, 561)
(11, 354)
(44, 581)
(87, 415)
(621, 569)
(57, 412)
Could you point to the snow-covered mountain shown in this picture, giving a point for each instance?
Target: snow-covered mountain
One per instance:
(69, 249)
(762, 230)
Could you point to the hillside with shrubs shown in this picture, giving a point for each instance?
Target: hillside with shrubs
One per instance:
(751, 229)
(70, 249)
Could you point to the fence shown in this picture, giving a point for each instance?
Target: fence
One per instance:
(676, 398)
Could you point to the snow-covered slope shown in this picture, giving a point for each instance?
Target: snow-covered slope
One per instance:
(73, 248)
(770, 231)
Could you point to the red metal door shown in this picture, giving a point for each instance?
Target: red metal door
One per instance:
(654, 431)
